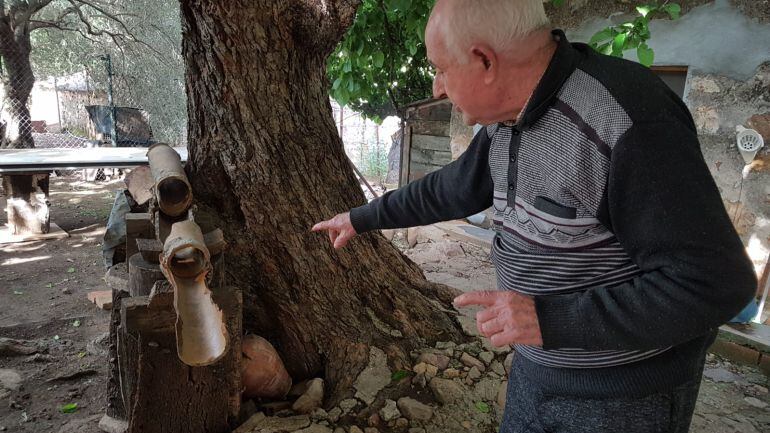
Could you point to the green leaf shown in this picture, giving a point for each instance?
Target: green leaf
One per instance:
(69, 408)
(17, 292)
(400, 5)
(399, 374)
(673, 9)
(618, 42)
(482, 407)
(379, 59)
(601, 36)
(645, 54)
(644, 10)
(420, 33)
(557, 3)
(49, 285)
(605, 48)
(82, 354)
(400, 42)
(342, 96)
(337, 82)
(76, 324)
(70, 270)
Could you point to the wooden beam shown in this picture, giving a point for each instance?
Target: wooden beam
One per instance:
(406, 150)
(430, 142)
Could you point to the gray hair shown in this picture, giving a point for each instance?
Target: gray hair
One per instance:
(499, 23)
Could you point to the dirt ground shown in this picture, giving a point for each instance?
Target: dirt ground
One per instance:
(43, 287)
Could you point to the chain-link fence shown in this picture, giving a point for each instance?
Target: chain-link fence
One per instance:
(368, 145)
(105, 104)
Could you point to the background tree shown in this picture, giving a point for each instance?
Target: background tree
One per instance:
(381, 64)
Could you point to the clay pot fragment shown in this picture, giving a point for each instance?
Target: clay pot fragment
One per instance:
(262, 371)
(201, 334)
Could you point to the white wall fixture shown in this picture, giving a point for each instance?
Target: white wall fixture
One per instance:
(749, 142)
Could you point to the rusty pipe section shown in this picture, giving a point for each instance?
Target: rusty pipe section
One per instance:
(201, 333)
(172, 189)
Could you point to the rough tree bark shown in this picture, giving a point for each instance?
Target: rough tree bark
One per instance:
(266, 163)
(18, 80)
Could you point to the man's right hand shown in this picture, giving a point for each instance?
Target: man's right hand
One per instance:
(340, 229)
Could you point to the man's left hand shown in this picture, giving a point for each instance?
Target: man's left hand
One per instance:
(508, 318)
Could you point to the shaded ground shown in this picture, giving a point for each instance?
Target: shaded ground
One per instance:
(43, 288)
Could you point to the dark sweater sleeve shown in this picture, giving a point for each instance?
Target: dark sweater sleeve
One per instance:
(459, 189)
(667, 213)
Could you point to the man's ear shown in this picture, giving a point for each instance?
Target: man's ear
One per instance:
(487, 57)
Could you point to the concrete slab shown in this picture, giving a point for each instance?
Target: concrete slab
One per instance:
(56, 232)
(754, 335)
(465, 232)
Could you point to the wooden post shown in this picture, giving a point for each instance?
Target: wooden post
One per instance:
(156, 391)
(27, 207)
(142, 275)
(163, 393)
(115, 406)
(138, 226)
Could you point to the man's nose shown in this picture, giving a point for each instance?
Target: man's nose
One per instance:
(438, 88)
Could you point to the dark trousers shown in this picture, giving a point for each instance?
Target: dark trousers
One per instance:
(528, 409)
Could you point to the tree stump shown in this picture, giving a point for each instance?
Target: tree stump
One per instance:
(27, 207)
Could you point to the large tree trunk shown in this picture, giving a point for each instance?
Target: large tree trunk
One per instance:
(266, 163)
(18, 80)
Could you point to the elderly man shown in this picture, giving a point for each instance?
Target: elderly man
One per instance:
(615, 258)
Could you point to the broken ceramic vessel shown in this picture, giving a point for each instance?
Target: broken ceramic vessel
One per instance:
(172, 189)
(201, 334)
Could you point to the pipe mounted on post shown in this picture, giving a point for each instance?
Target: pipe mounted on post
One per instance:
(172, 189)
(201, 332)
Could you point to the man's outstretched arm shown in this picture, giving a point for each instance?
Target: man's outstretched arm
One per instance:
(461, 188)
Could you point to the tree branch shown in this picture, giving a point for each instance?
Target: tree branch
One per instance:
(42, 24)
(390, 35)
(21, 13)
(331, 18)
(118, 38)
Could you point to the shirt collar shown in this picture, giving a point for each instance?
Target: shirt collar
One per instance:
(561, 66)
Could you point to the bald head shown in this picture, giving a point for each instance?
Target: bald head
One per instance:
(457, 25)
(488, 55)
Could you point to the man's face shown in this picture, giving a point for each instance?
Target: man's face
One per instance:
(462, 82)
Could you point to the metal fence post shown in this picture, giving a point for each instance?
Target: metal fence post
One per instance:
(113, 127)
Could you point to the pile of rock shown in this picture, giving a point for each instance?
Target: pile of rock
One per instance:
(450, 388)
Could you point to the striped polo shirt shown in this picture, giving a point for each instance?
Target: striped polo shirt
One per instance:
(549, 241)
